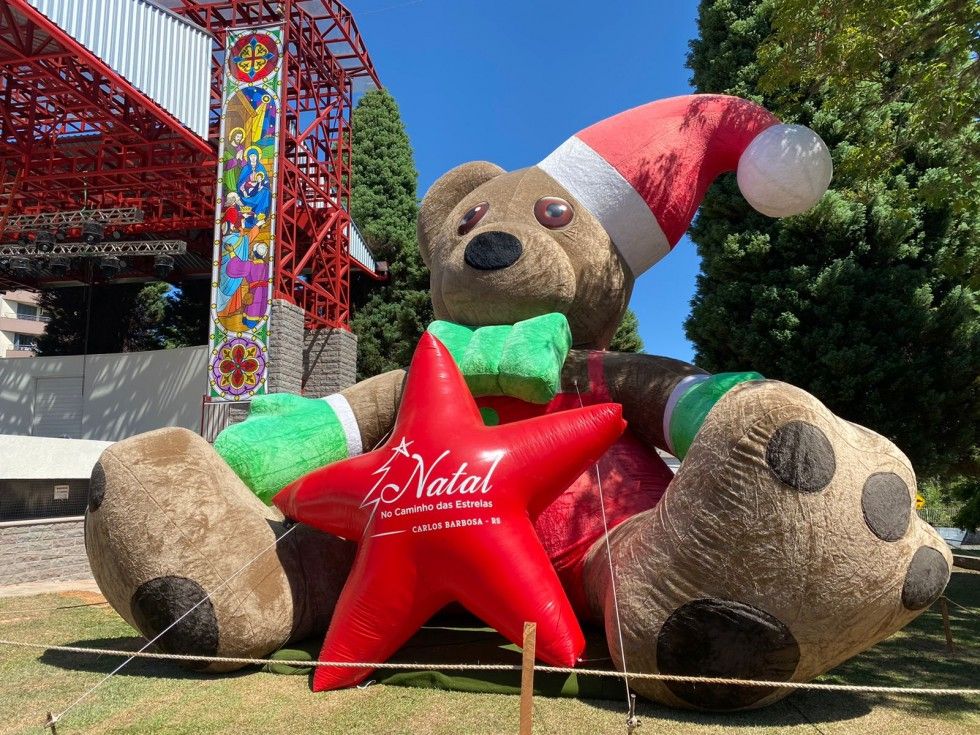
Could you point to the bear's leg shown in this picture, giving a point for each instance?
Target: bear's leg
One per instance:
(169, 522)
(786, 544)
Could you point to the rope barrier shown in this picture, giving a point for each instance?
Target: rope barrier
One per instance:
(53, 719)
(962, 607)
(966, 692)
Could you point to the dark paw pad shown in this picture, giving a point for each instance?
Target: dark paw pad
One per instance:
(887, 505)
(158, 603)
(724, 638)
(801, 456)
(925, 579)
(96, 487)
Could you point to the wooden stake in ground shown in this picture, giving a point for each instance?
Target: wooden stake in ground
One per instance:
(527, 678)
(944, 609)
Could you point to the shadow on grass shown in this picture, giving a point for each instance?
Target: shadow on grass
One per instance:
(834, 707)
(917, 656)
(914, 657)
(102, 664)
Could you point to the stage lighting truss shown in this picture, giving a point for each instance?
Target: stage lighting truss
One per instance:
(134, 248)
(114, 217)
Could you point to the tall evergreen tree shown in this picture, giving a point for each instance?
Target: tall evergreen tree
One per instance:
(869, 300)
(627, 337)
(388, 318)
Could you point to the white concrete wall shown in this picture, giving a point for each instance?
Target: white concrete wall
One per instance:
(124, 394)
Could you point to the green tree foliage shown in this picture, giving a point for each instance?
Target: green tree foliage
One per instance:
(121, 318)
(920, 56)
(185, 321)
(627, 337)
(388, 318)
(869, 300)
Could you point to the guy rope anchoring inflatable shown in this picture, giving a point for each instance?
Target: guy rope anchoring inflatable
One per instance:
(785, 544)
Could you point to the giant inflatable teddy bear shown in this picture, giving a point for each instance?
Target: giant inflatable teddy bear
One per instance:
(785, 544)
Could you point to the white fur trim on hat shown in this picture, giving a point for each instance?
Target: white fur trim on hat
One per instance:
(613, 201)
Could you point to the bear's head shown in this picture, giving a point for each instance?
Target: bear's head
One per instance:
(502, 247)
(571, 234)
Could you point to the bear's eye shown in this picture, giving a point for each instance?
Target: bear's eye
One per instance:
(472, 217)
(553, 212)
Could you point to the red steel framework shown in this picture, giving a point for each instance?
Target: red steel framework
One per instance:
(74, 135)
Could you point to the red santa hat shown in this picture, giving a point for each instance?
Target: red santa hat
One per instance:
(644, 172)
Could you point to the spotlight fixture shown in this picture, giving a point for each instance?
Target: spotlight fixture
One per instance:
(162, 265)
(25, 238)
(59, 265)
(110, 266)
(92, 232)
(44, 242)
(20, 266)
(61, 235)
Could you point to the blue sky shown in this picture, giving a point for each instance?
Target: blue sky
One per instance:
(508, 81)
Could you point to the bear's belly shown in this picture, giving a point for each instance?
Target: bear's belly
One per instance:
(633, 477)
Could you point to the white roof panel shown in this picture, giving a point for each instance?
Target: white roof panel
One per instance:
(163, 55)
(42, 458)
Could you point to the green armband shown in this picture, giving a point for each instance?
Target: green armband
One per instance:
(523, 360)
(285, 436)
(690, 402)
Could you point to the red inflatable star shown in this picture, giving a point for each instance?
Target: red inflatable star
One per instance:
(441, 514)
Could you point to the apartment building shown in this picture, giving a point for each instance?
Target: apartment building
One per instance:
(22, 321)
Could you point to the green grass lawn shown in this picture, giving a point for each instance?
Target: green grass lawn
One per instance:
(150, 697)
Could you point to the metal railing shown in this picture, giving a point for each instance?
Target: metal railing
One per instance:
(359, 249)
(216, 416)
(33, 317)
(939, 516)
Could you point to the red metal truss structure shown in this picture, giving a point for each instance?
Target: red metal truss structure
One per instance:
(77, 135)
(74, 135)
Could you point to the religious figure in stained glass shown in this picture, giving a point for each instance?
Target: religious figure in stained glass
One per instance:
(253, 187)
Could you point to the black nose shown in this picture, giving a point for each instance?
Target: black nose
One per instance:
(490, 251)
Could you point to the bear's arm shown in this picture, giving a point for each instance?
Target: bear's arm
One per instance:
(286, 435)
(374, 403)
(643, 384)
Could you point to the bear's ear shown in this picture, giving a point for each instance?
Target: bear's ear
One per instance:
(446, 193)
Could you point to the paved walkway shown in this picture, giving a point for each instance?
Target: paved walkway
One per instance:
(40, 588)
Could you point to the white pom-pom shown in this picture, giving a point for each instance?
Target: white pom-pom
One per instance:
(785, 170)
